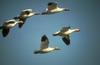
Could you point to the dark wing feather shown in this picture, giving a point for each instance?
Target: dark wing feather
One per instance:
(21, 23)
(44, 42)
(52, 5)
(66, 40)
(5, 32)
(1, 27)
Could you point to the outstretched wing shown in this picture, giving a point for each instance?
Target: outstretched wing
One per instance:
(24, 15)
(44, 42)
(66, 40)
(52, 6)
(64, 29)
(21, 24)
(22, 21)
(5, 32)
(1, 27)
(56, 33)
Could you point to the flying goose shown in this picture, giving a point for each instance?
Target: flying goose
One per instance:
(44, 46)
(24, 15)
(7, 25)
(54, 8)
(64, 33)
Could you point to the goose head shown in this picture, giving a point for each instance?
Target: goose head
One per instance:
(77, 30)
(56, 48)
(66, 9)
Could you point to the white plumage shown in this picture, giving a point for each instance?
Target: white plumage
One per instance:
(54, 8)
(24, 15)
(7, 25)
(64, 33)
(44, 46)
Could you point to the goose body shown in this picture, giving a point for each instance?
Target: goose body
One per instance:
(44, 46)
(65, 34)
(54, 8)
(7, 26)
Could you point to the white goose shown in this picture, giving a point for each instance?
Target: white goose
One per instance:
(53, 8)
(65, 32)
(7, 25)
(44, 46)
(24, 15)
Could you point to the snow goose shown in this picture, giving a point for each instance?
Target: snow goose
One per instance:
(64, 33)
(24, 15)
(44, 46)
(54, 8)
(7, 25)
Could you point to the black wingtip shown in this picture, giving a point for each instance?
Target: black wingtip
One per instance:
(5, 32)
(15, 18)
(4, 35)
(52, 3)
(66, 41)
(20, 25)
(1, 27)
(44, 37)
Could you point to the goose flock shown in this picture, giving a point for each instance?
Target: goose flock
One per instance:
(52, 8)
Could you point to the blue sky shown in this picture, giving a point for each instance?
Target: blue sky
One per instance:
(17, 48)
